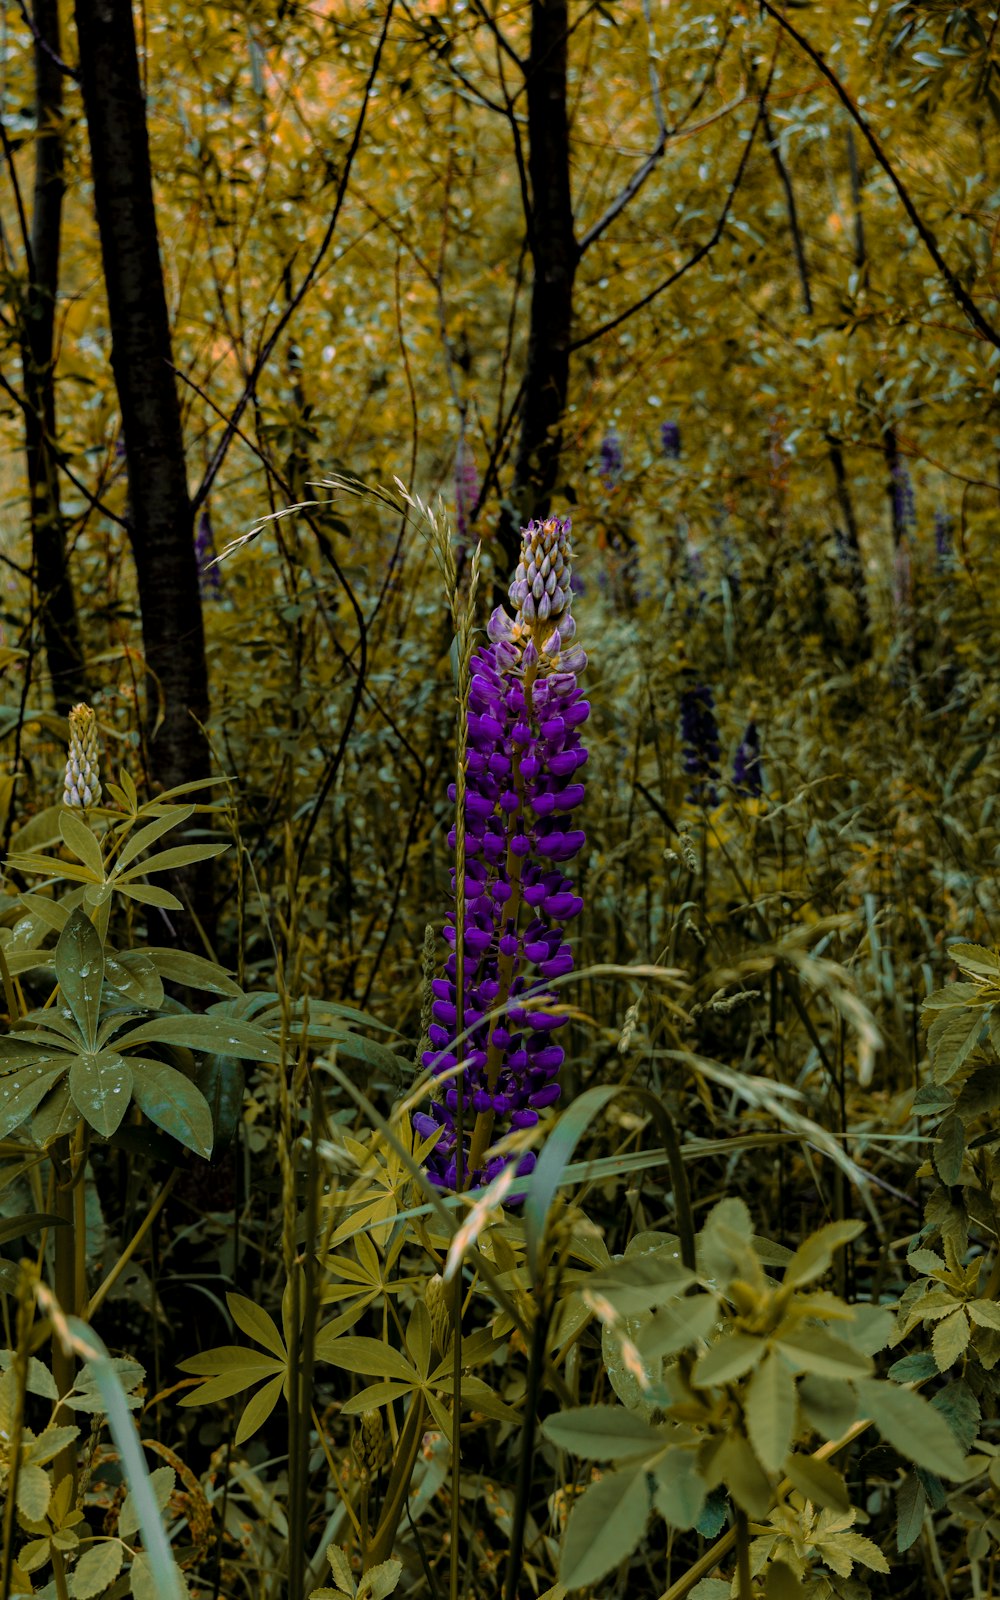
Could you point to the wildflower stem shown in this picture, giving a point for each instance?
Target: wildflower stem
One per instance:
(743, 1556)
(536, 1369)
(403, 1464)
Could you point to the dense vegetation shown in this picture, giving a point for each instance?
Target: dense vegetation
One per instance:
(306, 311)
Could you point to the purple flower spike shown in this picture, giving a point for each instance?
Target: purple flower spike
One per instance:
(611, 460)
(524, 772)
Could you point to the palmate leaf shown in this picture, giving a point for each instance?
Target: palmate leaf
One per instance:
(80, 972)
(173, 1103)
(101, 1085)
(19, 1095)
(212, 1034)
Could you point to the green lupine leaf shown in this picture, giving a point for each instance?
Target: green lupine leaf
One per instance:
(56, 1115)
(224, 1358)
(602, 1433)
(258, 1410)
(222, 1080)
(256, 1324)
(369, 1357)
(50, 866)
(193, 972)
(101, 1085)
(132, 974)
(640, 1281)
(148, 895)
(21, 1094)
(182, 855)
(80, 971)
(15, 1227)
(82, 841)
(605, 1525)
(214, 1035)
(173, 1103)
(230, 1383)
(148, 835)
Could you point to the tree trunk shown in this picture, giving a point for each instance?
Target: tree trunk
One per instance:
(555, 254)
(60, 625)
(161, 516)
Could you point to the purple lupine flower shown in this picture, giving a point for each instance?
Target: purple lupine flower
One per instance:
(943, 530)
(747, 777)
(700, 740)
(611, 460)
(466, 487)
(209, 579)
(524, 779)
(904, 504)
(670, 440)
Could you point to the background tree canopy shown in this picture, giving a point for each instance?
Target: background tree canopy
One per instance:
(305, 310)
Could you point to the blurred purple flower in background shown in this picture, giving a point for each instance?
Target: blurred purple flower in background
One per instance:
(700, 740)
(466, 487)
(611, 460)
(523, 775)
(747, 778)
(904, 504)
(944, 528)
(209, 577)
(670, 440)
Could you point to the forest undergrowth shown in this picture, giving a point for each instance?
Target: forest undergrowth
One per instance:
(315, 1284)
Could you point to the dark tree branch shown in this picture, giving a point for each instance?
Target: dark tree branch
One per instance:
(961, 295)
(264, 354)
(793, 215)
(699, 255)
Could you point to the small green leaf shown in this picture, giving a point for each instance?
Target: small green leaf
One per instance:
(814, 1255)
(148, 894)
(174, 1104)
(21, 1093)
(148, 835)
(816, 1351)
(743, 1475)
(161, 1481)
(381, 1581)
(949, 1150)
(911, 1425)
(605, 1525)
(33, 1491)
(732, 1356)
(182, 855)
(256, 1324)
(951, 1336)
(193, 972)
(677, 1326)
(82, 841)
(101, 1085)
(818, 1481)
(79, 966)
(679, 1492)
(911, 1503)
(259, 1409)
(985, 1312)
(96, 1569)
(602, 1433)
(771, 1408)
(829, 1405)
(975, 959)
